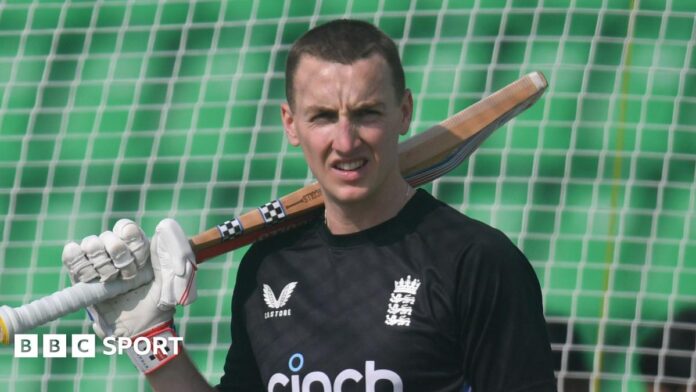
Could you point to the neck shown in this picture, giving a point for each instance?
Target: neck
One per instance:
(347, 218)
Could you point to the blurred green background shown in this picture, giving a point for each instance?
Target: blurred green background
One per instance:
(146, 110)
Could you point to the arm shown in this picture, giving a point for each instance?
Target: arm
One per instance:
(179, 374)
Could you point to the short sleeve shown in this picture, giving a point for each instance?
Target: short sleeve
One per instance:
(505, 345)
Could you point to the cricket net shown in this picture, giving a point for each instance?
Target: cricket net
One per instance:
(146, 110)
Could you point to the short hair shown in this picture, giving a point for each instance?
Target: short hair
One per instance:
(677, 348)
(345, 41)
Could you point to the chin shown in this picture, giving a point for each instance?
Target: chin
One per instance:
(350, 195)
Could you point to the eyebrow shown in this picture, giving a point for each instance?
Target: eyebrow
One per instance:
(359, 106)
(370, 104)
(319, 108)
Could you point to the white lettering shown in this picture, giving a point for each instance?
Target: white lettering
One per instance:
(110, 345)
(141, 345)
(319, 377)
(159, 345)
(277, 313)
(295, 380)
(277, 379)
(123, 344)
(348, 374)
(372, 376)
(177, 340)
(83, 345)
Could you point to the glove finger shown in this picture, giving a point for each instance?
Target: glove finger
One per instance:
(163, 275)
(175, 264)
(96, 253)
(173, 241)
(184, 287)
(120, 255)
(80, 269)
(135, 239)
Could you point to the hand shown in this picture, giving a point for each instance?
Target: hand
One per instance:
(121, 254)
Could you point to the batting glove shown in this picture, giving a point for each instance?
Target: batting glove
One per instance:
(149, 309)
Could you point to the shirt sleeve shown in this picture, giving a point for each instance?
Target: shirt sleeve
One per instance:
(241, 371)
(505, 346)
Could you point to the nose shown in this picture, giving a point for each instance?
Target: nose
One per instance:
(346, 137)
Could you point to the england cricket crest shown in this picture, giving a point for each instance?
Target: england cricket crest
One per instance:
(401, 302)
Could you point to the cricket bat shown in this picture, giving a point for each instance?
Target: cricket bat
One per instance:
(422, 158)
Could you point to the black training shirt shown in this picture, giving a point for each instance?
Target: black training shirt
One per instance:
(429, 300)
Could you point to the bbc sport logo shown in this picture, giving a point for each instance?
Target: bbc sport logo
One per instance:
(84, 345)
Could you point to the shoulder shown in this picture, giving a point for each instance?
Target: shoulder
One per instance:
(294, 238)
(469, 250)
(282, 245)
(460, 234)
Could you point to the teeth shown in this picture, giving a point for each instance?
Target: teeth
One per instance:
(352, 165)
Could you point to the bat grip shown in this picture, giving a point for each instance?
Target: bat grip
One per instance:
(63, 302)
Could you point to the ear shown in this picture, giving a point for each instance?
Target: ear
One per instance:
(289, 124)
(406, 111)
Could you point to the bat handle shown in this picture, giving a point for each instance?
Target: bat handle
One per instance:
(63, 302)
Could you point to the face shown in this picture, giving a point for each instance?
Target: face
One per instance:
(347, 119)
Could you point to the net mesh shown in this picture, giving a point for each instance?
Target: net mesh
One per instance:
(146, 110)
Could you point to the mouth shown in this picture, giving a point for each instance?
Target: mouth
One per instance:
(350, 166)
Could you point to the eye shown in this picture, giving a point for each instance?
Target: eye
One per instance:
(368, 114)
(323, 116)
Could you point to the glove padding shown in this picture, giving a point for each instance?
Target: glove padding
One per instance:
(121, 254)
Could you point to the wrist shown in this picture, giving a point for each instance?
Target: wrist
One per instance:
(155, 347)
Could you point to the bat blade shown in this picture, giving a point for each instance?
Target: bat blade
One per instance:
(443, 147)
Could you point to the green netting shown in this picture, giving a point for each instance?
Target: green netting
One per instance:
(146, 110)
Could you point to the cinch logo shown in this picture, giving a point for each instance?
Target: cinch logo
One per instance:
(296, 362)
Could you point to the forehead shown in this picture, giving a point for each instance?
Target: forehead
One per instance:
(324, 80)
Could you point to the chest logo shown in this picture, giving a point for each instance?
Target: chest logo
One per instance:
(401, 302)
(277, 303)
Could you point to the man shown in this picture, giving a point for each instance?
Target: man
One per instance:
(392, 290)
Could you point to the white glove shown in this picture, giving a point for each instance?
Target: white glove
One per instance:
(121, 254)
